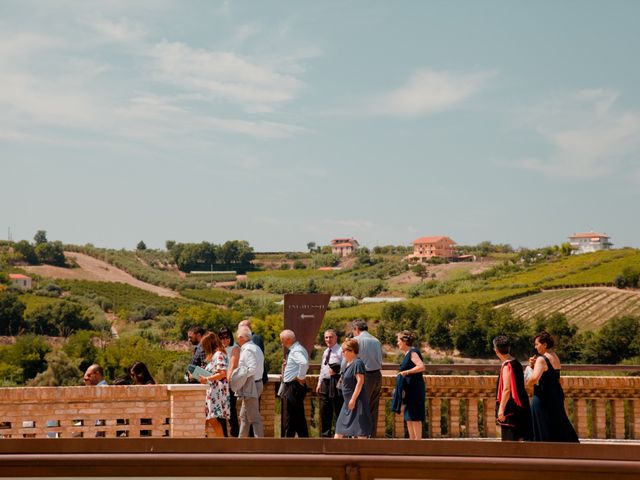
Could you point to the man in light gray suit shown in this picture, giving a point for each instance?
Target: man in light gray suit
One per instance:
(371, 355)
(250, 364)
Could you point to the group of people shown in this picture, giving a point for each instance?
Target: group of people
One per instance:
(350, 382)
(544, 419)
(237, 373)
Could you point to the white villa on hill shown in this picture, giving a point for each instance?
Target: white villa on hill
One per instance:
(588, 242)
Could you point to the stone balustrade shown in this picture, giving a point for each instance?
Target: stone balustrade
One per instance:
(457, 406)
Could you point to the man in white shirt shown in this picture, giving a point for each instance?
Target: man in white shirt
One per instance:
(294, 375)
(251, 360)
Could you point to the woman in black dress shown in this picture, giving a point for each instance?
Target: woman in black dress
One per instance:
(411, 370)
(355, 418)
(550, 421)
(513, 412)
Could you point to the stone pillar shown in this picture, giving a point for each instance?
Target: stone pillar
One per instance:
(580, 412)
(382, 413)
(599, 418)
(186, 410)
(617, 418)
(635, 418)
(268, 406)
(454, 417)
(398, 424)
(435, 429)
(489, 417)
(472, 418)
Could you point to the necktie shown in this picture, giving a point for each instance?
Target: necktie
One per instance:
(328, 355)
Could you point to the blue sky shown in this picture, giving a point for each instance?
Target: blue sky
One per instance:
(284, 122)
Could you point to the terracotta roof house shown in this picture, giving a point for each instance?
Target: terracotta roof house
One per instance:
(588, 242)
(20, 281)
(425, 248)
(343, 247)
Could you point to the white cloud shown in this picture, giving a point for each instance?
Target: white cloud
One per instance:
(587, 135)
(224, 75)
(157, 117)
(430, 91)
(17, 47)
(122, 30)
(244, 32)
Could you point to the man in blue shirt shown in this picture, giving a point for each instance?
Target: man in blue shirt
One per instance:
(294, 374)
(371, 355)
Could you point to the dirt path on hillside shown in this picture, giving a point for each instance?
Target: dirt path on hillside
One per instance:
(90, 268)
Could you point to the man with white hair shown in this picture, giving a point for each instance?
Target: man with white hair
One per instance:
(251, 364)
(294, 374)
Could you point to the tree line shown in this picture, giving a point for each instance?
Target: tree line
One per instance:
(232, 255)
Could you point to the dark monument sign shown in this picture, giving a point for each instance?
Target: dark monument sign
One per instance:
(303, 313)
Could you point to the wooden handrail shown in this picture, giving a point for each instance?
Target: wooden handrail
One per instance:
(338, 459)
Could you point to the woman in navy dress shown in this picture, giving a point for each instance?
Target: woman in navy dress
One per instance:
(411, 370)
(355, 418)
(550, 421)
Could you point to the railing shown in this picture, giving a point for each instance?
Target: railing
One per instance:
(458, 406)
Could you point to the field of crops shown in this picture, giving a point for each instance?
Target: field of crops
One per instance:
(597, 274)
(372, 311)
(120, 295)
(34, 302)
(591, 268)
(215, 296)
(291, 274)
(589, 308)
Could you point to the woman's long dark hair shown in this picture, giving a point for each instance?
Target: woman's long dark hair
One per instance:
(144, 378)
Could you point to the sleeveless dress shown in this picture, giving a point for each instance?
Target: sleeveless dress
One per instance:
(414, 390)
(217, 402)
(517, 411)
(356, 422)
(550, 421)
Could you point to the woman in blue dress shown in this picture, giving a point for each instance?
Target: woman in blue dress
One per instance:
(355, 418)
(414, 394)
(550, 421)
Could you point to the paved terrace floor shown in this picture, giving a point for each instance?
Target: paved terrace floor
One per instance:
(316, 458)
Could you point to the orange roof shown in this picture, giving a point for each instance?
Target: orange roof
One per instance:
(432, 240)
(342, 245)
(18, 276)
(343, 240)
(589, 235)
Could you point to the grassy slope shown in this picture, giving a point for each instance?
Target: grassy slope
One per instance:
(592, 268)
(455, 299)
(34, 302)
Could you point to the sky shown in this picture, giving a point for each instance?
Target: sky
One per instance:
(287, 122)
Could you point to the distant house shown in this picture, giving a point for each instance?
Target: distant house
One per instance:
(20, 281)
(426, 248)
(343, 247)
(589, 242)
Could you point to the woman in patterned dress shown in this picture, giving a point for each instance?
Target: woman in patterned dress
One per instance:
(217, 403)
